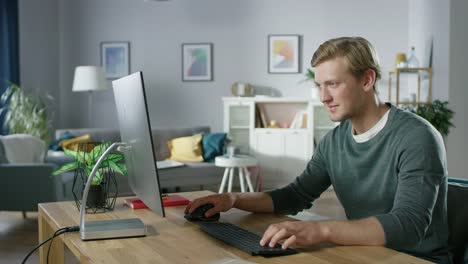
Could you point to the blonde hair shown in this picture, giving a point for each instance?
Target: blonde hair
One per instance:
(358, 51)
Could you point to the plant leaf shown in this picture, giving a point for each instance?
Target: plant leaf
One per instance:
(97, 178)
(98, 150)
(70, 153)
(115, 157)
(66, 167)
(120, 168)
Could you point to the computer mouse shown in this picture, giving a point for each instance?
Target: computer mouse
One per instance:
(199, 214)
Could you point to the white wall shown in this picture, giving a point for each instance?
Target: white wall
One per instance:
(238, 30)
(457, 139)
(429, 22)
(39, 57)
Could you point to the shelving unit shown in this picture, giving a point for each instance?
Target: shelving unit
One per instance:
(419, 73)
(282, 152)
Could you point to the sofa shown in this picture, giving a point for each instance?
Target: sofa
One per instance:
(191, 176)
(26, 179)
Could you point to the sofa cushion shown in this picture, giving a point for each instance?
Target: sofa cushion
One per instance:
(23, 148)
(55, 145)
(73, 143)
(186, 148)
(213, 145)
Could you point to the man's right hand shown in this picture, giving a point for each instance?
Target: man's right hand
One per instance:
(221, 202)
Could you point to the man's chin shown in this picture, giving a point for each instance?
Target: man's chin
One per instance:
(336, 118)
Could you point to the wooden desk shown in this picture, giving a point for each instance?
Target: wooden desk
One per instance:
(174, 240)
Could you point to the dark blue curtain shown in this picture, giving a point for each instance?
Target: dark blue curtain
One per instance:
(9, 48)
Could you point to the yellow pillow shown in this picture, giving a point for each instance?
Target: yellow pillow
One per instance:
(187, 149)
(72, 143)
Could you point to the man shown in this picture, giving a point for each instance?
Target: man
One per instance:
(387, 167)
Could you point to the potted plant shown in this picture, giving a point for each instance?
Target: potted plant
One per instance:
(84, 160)
(25, 114)
(437, 113)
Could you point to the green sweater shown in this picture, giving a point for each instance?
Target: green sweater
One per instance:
(399, 176)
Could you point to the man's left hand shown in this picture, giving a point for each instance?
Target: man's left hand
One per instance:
(294, 233)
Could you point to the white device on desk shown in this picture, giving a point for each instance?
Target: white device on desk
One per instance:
(137, 147)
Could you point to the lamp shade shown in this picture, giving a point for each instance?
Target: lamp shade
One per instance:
(89, 78)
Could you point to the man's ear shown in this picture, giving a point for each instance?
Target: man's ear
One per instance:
(368, 80)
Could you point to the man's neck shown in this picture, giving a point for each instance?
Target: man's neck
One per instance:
(369, 116)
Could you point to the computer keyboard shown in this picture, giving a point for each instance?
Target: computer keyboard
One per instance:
(242, 239)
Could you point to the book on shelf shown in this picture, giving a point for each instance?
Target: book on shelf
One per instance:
(261, 116)
(299, 120)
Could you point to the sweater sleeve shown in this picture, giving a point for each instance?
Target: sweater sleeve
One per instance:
(421, 170)
(304, 189)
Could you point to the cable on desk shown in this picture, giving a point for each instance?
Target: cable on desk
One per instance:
(57, 233)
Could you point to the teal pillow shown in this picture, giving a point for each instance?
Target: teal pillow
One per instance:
(56, 144)
(213, 145)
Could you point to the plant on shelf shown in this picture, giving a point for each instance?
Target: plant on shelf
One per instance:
(25, 114)
(309, 76)
(437, 113)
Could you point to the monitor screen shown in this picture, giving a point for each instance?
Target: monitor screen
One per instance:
(135, 132)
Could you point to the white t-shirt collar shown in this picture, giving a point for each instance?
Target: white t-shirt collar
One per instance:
(366, 136)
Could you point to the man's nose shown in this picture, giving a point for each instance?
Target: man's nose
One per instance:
(325, 96)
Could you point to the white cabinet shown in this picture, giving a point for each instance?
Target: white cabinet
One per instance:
(282, 151)
(238, 122)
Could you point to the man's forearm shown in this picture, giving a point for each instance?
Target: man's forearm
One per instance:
(366, 231)
(257, 202)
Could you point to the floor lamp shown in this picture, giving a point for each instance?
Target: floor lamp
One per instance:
(89, 79)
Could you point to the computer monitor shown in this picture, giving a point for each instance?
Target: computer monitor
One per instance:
(135, 132)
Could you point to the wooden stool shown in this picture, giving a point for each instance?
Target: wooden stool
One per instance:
(241, 162)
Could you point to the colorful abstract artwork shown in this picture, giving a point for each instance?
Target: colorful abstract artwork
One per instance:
(115, 59)
(197, 62)
(283, 53)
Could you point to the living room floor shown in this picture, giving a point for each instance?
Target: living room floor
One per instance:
(19, 235)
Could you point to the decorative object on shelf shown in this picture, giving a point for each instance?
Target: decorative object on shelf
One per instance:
(400, 60)
(103, 191)
(415, 95)
(25, 113)
(89, 79)
(284, 53)
(437, 113)
(197, 62)
(241, 89)
(273, 124)
(412, 61)
(115, 59)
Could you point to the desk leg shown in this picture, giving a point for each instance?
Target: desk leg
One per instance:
(45, 231)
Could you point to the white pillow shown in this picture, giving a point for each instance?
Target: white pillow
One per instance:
(23, 148)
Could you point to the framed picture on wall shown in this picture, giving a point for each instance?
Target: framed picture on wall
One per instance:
(115, 59)
(284, 53)
(197, 62)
